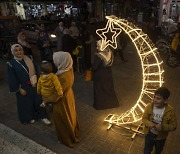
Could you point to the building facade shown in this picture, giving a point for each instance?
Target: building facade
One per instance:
(138, 10)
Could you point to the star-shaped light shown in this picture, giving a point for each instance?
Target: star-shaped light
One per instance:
(103, 32)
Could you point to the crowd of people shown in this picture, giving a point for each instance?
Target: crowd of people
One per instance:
(52, 82)
(69, 40)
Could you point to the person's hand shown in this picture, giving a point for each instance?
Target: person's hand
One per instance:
(152, 125)
(22, 91)
(158, 127)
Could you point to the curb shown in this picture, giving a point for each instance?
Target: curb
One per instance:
(13, 142)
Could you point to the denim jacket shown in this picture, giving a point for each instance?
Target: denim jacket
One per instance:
(169, 122)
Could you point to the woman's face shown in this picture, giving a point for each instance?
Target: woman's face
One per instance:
(98, 48)
(18, 52)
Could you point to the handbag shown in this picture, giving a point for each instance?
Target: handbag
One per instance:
(88, 75)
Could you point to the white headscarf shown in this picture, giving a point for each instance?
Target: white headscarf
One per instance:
(30, 65)
(62, 61)
(106, 55)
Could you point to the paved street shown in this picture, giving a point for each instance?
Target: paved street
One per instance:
(13, 142)
(94, 136)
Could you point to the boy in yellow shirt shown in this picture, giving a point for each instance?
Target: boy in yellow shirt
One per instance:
(48, 86)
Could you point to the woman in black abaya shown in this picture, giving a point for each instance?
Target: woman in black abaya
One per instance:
(104, 94)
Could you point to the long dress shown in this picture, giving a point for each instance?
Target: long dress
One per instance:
(64, 112)
(28, 106)
(104, 94)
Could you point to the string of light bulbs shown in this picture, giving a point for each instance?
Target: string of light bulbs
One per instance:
(151, 64)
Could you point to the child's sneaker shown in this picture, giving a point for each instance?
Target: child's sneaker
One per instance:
(46, 121)
(32, 121)
(43, 104)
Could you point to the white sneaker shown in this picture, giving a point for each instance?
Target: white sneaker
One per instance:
(46, 121)
(32, 121)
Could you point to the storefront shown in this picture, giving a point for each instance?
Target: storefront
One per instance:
(28, 10)
(7, 8)
(59, 9)
(20, 11)
(170, 9)
(38, 9)
(33, 10)
(112, 7)
(138, 10)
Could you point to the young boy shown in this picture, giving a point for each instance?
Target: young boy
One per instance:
(159, 119)
(48, 85)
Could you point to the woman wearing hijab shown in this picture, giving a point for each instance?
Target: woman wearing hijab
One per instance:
(64, 112)
(26, 46)
(22, 80)
(104, 94)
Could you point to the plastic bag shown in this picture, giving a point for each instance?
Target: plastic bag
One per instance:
(75, 51)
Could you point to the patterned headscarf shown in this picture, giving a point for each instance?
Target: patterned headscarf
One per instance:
(106, 55)
(62, 61)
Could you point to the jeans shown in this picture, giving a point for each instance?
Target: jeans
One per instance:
(150, 141)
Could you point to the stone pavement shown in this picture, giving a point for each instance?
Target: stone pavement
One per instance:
(13, 142)
(94, 136)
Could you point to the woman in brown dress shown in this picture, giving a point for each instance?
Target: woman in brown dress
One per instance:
(64, 112)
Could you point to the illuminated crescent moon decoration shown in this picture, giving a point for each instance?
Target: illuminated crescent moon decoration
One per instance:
(151, 63)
